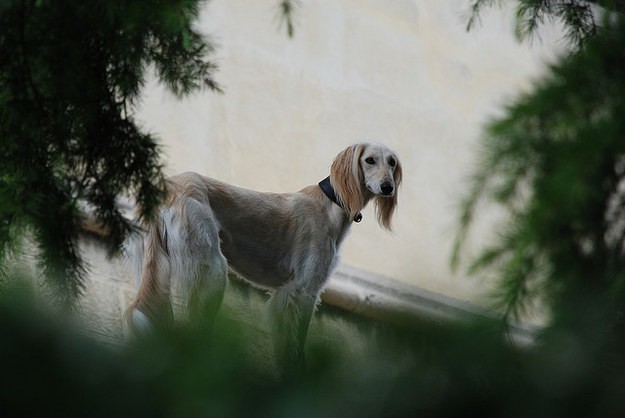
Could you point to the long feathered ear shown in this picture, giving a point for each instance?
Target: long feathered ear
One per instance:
(385, 206)
(346, 179)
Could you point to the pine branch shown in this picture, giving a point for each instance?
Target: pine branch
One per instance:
(476, 9)
(287, 10)
(577, 16)
(555, 163)
(70, 73)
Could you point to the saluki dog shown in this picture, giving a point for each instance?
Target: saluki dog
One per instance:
(286, 242)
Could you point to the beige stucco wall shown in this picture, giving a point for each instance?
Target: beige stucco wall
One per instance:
(401, 72)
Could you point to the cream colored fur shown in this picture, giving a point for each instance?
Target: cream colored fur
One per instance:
(288, 242)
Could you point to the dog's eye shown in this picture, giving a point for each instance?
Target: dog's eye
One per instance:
(369, 160)
(392, 162)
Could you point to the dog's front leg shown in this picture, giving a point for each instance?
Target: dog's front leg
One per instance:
(290, 309)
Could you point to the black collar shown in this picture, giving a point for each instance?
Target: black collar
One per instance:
(328, 190)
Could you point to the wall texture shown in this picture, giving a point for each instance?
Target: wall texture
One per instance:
(402, 72)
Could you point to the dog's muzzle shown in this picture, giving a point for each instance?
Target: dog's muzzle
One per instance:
(387, 189)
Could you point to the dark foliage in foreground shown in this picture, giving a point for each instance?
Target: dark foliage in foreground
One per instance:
(70, 73)
(50, 369)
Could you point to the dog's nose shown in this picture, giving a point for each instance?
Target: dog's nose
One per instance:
(387, 188)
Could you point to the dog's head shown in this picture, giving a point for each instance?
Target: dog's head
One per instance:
(365, 171)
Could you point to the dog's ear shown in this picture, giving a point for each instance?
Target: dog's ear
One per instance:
(346, 179)
(385, 206)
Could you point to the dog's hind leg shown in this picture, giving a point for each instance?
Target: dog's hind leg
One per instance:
(199, 263)
(207, 292)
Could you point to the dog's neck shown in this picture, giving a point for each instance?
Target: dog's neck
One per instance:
(328, 190)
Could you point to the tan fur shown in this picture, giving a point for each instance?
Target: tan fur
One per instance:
(386, 206)
(288, 242)
(344, 169)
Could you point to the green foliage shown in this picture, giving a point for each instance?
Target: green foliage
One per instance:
(287, 10)
(70, 72)
(578, 17)
(52, 369)
(556, 161)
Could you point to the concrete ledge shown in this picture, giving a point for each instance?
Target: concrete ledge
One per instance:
(386, 299)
